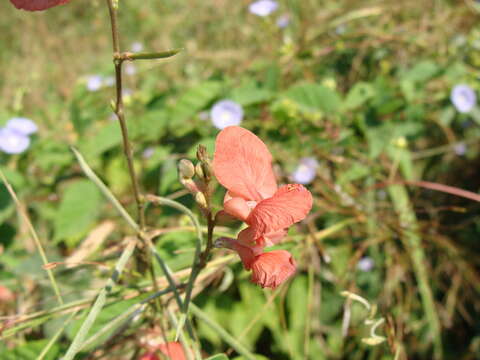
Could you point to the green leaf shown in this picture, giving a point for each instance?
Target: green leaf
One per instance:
(421, 72)
(218, 357)
(77, 212)
(29, 351)
(104, 139)
(190, 103)
(358, 95)
(250, 94)
(314, 98)
(105, 316)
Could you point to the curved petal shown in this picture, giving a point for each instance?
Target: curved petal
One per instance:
(272, 268)
(237, 207)
(290, 204)
(273, 238)
(243, 164)
(173, 351)
(247, 254)
(36, 5)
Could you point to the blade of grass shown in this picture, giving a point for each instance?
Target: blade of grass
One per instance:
(77, 342)
(104, 189)
(55, 337)
(125, 317)
(34, 235)
(413, 242)
(229, 339)
(198, 248)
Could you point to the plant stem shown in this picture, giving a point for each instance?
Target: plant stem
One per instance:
(120, 113)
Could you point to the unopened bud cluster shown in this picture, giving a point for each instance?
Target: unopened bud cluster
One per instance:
(196, 178)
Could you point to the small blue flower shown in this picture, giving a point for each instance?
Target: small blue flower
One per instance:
(13, 141)
(22, 125)
(460, 149)
(130, 69)
(263, 7)
(463, 98)
(148, 152)
(283, 21)
(226, 113)
(365, 264)
(305, 171)
(137, 46)
(108, 81)
(95, 82)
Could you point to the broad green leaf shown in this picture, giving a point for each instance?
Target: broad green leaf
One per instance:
(314, 98)
(106, 138)
(250, 94)
(358, 95)
(77, 212)
(190, 103)
(421, 72)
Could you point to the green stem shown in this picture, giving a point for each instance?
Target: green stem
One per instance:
(55, 337)
(82, 333)
(229, 339)
(104, 189)
(413, 242)
(34, 235)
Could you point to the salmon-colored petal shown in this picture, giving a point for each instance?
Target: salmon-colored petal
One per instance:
(237, 207)
(272, 268)
(247, 253)
(275, 237)
(173, 351)
(243, 164)
(37, 5)
(290, 204)
(149, 356)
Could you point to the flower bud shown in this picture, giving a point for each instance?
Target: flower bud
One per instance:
(186, 169)
(199, 170)
(190, 185)
(201, 200)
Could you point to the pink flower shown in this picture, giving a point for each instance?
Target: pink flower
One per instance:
(37, 5)
(272, 268)
(173, 351)
(243, 165)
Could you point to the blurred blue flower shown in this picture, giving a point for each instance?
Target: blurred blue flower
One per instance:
(109, 81)
(148, 152)
(130, 69)
(305, 171)
(283, 21)
(460, 149)
(226, 113)
(22, 125)
(137, 46)
(263, 7)
(365, 264)
(463, 98)
(94, 82)
(13, 141)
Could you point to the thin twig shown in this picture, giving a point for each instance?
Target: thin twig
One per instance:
(34, 235)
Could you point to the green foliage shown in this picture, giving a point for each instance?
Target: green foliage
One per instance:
(77, 211)
(364, 90)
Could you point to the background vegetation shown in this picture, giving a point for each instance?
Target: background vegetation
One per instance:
(363, 86)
